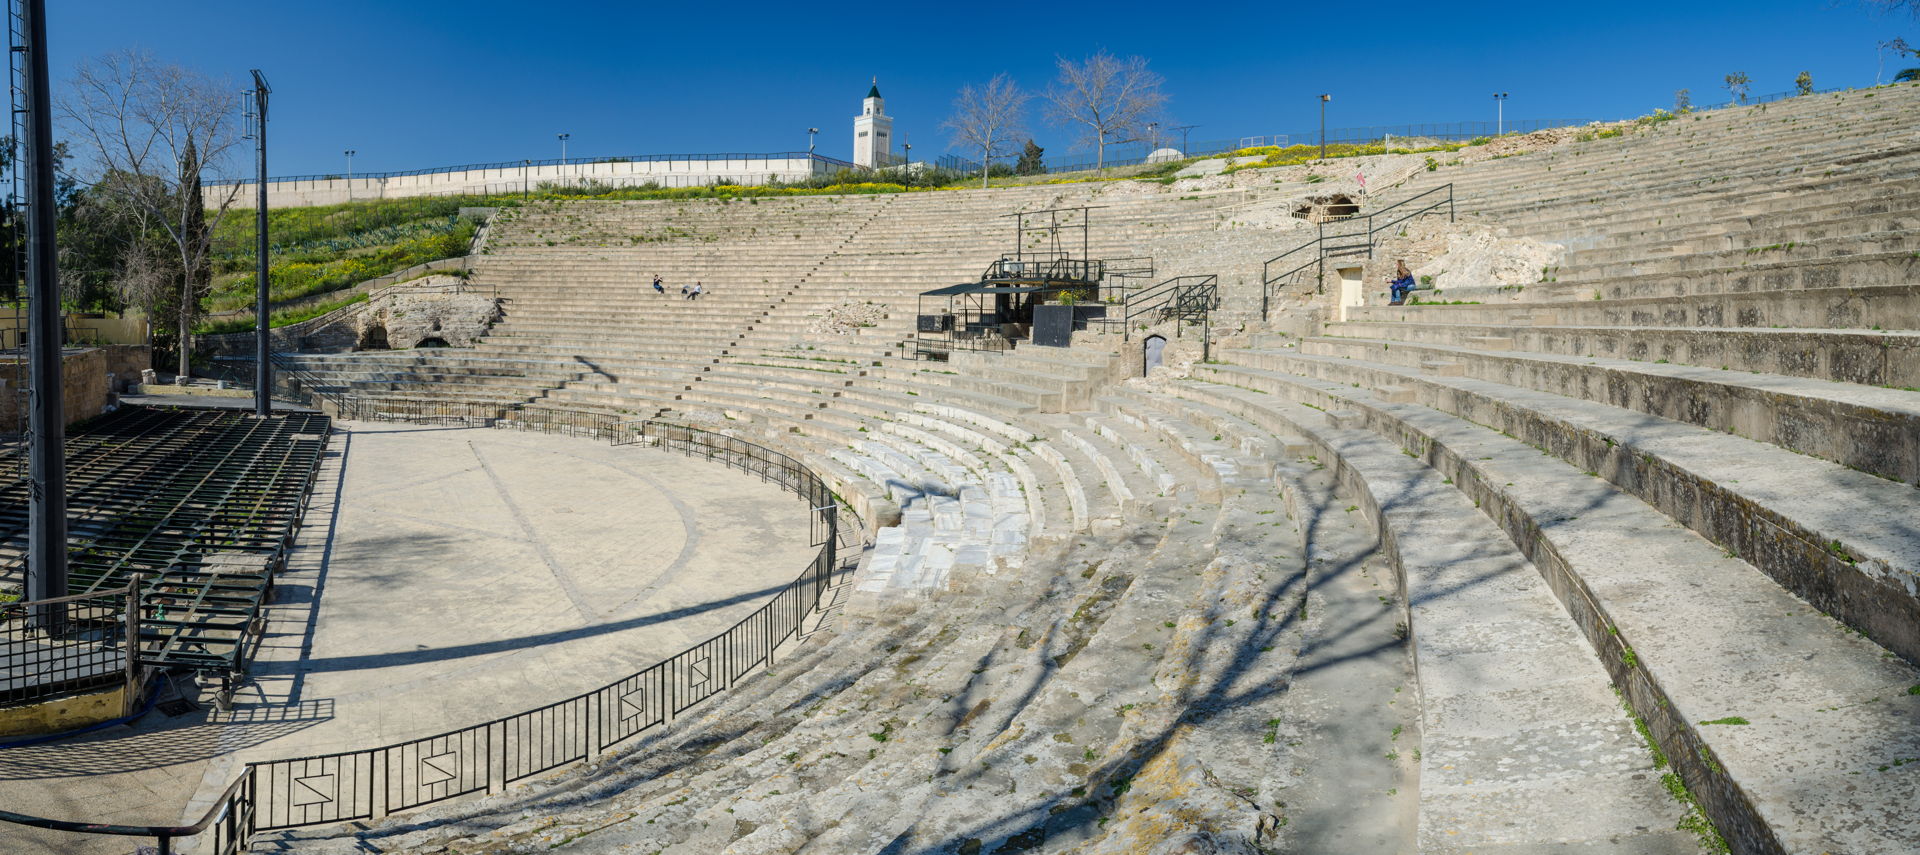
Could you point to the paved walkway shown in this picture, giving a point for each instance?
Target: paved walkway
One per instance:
(461, 574)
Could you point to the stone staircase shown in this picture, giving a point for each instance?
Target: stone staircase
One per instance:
(1618, 562)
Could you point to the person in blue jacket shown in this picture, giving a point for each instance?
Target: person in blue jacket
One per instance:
(1401, 283)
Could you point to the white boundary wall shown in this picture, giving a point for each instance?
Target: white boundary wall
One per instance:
(666, 171)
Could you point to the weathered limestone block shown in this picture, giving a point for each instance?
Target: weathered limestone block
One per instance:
(406, 320)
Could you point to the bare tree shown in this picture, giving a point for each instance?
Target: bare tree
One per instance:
(152, 131)
(1106, 97)
(1736, 86)
(989, 118)
(146, 279)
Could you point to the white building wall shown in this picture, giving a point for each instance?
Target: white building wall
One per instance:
(673, 172)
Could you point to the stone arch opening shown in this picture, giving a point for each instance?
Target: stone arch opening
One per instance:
(1324, 209)
(432, 341)
(374, 337)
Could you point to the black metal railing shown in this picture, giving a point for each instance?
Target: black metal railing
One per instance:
(509, 416)
(371, 783)
(61, 646)
(1136, 152)
(1350, 236)
(1182, 298)
(1065, 270)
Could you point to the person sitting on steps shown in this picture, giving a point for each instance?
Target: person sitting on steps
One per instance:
(1401, 283)
(657, 287)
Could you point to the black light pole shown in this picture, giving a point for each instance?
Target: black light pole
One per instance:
(262, 345)
(1323, 125)
(46, 424)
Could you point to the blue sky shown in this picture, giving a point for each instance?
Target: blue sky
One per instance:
(427, 83)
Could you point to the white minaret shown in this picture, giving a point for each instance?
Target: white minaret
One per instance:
(872, 130)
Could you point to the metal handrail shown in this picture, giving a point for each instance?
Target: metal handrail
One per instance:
(1169, 297)
(164, 835)
(1365, 236)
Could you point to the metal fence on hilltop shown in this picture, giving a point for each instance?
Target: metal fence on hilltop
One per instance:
(1134, 153)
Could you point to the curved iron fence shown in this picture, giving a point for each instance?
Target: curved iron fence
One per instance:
(371, 783)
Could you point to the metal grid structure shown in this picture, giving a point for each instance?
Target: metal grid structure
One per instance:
(200, 505)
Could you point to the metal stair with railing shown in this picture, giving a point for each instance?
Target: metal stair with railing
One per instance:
(1348, 237)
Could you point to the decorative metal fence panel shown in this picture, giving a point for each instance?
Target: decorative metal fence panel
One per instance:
(436, 768)
(631, 706)
(311, 790)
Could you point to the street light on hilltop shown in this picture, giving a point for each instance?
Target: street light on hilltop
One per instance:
(810, 133)
(1499, 114)
(1324, 98)
(349, 153)
(1153, 137)
(563, 147)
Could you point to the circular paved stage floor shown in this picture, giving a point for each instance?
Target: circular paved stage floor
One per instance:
(460, 574)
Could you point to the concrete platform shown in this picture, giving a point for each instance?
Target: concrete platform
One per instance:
(446, 576)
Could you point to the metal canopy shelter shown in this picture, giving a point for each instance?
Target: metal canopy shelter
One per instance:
(973, 316)
(1051, 256)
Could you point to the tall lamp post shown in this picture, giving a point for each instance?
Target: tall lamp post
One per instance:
(810, 133)
(563, 151)
(1499, 114)
(262, 344)
(1153, 137)
(46, 424)
(349, 153)
(906, 160)
(1324, 98)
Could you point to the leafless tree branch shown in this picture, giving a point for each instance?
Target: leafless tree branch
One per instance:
(989, 118)
(150, 131)
(1108, 98)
